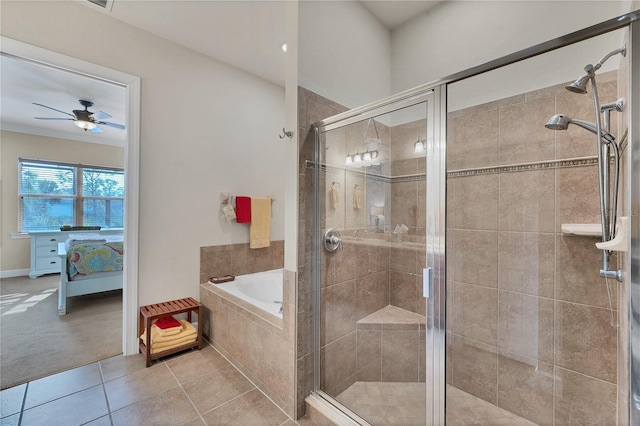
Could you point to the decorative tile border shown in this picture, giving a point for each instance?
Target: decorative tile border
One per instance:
(541, 165)
(308, 164)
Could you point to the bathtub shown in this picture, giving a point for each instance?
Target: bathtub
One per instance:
(262, 290)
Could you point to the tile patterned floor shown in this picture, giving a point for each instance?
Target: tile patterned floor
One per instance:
(203, 388)
(395, 403)
(195, 388)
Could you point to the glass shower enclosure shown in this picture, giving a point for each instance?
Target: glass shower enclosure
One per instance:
(370, 183)
(533, 334)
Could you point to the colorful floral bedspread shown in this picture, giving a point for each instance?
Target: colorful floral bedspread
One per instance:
(89, 258)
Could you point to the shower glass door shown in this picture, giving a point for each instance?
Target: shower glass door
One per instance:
(532, 329)
(372, 239)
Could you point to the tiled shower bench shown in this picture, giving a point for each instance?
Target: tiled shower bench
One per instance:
(391, 346)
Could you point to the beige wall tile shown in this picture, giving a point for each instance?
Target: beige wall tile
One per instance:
(585, 341)
(317, 111)
(476, 313)
(473, 202)
(582, 400)
(474, 257)
(344, 263)
(526, 326)
(338, 364)
(527, 201)
(372, 258)
(403, 291)
(372, 293)
(400, 355)
(408, 166)
(472, 139)
(403, 259)
(577, 195)
(475, 368)
(578, 263)
(404, 204)
(368, 357)
(304, 379)
(339, 305)
(525, 388)
(523, 137)
(526, 263)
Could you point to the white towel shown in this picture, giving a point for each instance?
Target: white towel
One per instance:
(229, 212)
(334, 194)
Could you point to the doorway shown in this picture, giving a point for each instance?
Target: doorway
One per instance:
(131, 85)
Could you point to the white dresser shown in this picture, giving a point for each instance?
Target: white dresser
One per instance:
(44, 249)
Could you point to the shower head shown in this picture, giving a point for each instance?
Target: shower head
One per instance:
(558, 122)
(580, 85)
(561, 122)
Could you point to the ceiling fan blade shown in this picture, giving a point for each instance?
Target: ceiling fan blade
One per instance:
(49, 118)
(99, 115)
(54, 109)
(97, 130)
(106, 123)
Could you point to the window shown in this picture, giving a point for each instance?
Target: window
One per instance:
(53, 194)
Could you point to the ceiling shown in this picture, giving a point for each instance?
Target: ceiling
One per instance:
(394, 13)
(244, 34)
(24, 83)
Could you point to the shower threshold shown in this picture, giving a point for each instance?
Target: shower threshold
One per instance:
(403, 403)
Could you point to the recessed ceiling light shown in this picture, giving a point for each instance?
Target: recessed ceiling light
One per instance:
(284, 47)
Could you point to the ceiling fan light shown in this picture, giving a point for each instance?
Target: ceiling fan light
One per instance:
(86, 125)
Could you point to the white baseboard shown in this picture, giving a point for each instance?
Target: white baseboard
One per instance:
(14, 273)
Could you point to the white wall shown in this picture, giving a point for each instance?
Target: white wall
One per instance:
(205, 127)
(344, 49)
(344, 52)
(454, 36)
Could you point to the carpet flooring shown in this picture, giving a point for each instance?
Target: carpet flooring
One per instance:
(36, 342)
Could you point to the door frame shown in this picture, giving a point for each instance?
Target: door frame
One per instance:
(131, 84)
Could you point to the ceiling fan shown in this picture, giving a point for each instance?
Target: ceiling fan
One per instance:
(84, 118)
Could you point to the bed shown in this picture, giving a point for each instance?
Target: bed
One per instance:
(90, 263)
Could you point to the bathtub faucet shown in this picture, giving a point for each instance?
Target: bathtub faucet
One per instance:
(280, 302)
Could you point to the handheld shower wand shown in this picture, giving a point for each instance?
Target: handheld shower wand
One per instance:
(605, 142)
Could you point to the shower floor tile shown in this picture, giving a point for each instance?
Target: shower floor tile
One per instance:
(403, 403)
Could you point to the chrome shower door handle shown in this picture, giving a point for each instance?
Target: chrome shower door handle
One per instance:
(332, 240)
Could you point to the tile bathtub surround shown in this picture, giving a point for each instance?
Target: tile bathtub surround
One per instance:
(239, 259)
(263, 350)
(193, 388)
(528, 317)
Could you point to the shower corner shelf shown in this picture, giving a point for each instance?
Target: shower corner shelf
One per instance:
(582, 229)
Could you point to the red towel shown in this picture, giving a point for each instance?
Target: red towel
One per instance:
(167, 322)
(243, 209)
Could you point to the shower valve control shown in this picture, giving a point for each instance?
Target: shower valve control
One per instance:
(332, 240)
